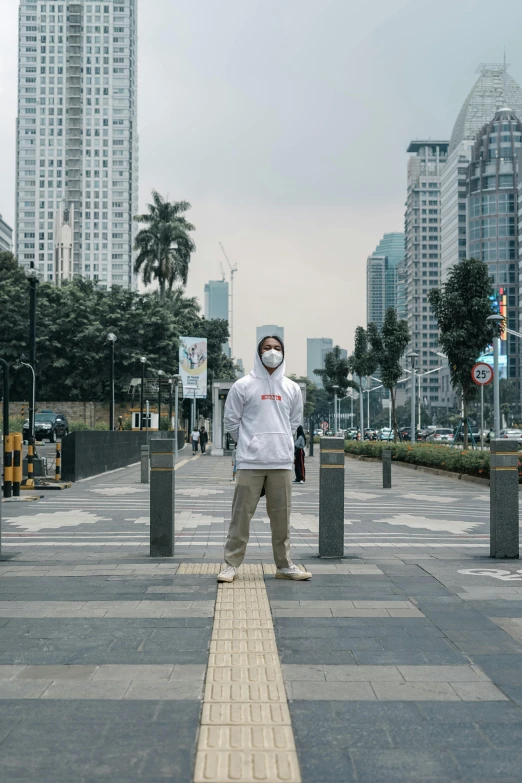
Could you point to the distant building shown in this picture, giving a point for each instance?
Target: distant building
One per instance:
(316, 350)
(270, 329)
(6, 236)
(240, 368)
(422, 257)
(401, 291)
(381, 277)
(77, 139)
(216, 299)
(494, 89)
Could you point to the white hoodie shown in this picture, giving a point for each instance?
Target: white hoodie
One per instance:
(262, 412)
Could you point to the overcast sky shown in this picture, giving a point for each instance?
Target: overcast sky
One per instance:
(285, 124)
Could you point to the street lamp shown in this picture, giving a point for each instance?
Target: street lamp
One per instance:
(143, 362)
(160, 373)
(32, 275)
(111, 337)
(412, 356)
(32, 405)
(335, 387)
(496, 320)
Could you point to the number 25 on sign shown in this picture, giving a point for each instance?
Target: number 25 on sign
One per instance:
(482, 375)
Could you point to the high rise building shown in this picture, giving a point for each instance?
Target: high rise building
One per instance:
(401, 291)
(216, 299)
(493, 233)
(316, 350)
(422, 256)
(381, 277)
(276, 331)
(77, 142)
(6, 236)
(494, 89)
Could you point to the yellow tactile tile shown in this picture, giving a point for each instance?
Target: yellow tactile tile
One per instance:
(248, 767)
(242, 645)
(242, 624)
(199, 568)
(242, 614)
(248, 674)
(269, 568)
(244, 692)
(248, 634)
(246, 734)
(243, 659)
(246, 738)
(247, 714)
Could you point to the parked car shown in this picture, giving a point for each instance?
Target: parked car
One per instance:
(48, 425)
(472, 430)
(440, 435)
(405, 434)
(511, 434)
(386, 434)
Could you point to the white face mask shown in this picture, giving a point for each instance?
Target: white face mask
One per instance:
(272, 358)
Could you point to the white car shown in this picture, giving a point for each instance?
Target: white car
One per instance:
(511, 434)
(386, 434)
(440, 435)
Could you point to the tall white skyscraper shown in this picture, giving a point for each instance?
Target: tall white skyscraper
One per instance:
(77, 142)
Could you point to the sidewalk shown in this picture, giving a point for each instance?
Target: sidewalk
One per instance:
(395, 664)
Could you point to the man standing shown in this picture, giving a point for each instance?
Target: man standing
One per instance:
(262, 412)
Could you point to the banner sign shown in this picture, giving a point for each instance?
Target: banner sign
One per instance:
(193, 366)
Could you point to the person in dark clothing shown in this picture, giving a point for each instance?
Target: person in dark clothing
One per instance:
(203, 439)
(299, 452)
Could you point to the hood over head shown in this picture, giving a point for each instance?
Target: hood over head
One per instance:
(260, 370)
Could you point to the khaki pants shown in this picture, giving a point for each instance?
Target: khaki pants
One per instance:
(278, 503)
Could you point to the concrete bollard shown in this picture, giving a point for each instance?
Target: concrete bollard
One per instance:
(58, 463)
(144, 464)
(162, 483)
(331, 498)
(503, 499)
(17, 463)
(386, 468)
(8, 466)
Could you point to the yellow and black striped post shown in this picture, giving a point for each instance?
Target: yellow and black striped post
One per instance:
(58, 463)
(8, 466)
(30, 464)
(17, 463)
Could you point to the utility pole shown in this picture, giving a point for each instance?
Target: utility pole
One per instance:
(233, 270)
(32, 276)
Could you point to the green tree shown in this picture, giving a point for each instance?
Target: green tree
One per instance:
(164, 248)
(387, 348)
(335, 373)
(461, 307)
(361, 364)
(311, 393)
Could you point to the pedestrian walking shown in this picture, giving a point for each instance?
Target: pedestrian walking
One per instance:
(262, 412)
(299, 456)
(203, 439)
(195, 440)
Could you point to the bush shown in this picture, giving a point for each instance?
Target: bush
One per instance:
(16, 423)
(472, 463)
(78, 426)
(101, 425)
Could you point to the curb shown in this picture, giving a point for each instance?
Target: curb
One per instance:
(425, 469)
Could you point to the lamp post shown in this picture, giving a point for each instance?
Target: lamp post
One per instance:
(335, 387)
(497, 321)
(170, 402)
(111, 337)
(32, 405)
(160, 373)
(143, 362)
(412, 356)
(32, 276)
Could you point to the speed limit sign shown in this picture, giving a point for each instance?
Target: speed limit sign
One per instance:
(482, 374)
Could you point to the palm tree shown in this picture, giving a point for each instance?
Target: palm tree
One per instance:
(184, 308)
(165, 246)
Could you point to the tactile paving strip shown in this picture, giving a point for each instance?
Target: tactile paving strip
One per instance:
(245, 733)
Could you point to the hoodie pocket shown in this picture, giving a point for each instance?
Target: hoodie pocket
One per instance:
(268, 447)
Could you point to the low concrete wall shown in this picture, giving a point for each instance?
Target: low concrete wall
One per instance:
(86, 454)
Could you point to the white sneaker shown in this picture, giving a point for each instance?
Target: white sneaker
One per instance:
(293, 572)
(228, 574)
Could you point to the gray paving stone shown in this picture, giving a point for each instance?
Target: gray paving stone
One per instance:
(302, 672)
(488, 764)
(443, 674)
(415, 691)
(400, 765)
(330, 691)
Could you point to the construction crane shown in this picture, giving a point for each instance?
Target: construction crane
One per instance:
(233, 270)
(222, 273)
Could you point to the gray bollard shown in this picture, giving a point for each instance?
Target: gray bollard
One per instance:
(162, 483)
(144, 464)
(503, 499)
(386, 468)
(331, 498)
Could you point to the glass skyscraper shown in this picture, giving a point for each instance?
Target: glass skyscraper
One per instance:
(216, 299)
(381, 276)
(77, 142)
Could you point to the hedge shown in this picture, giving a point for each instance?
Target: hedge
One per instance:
(472, 463)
